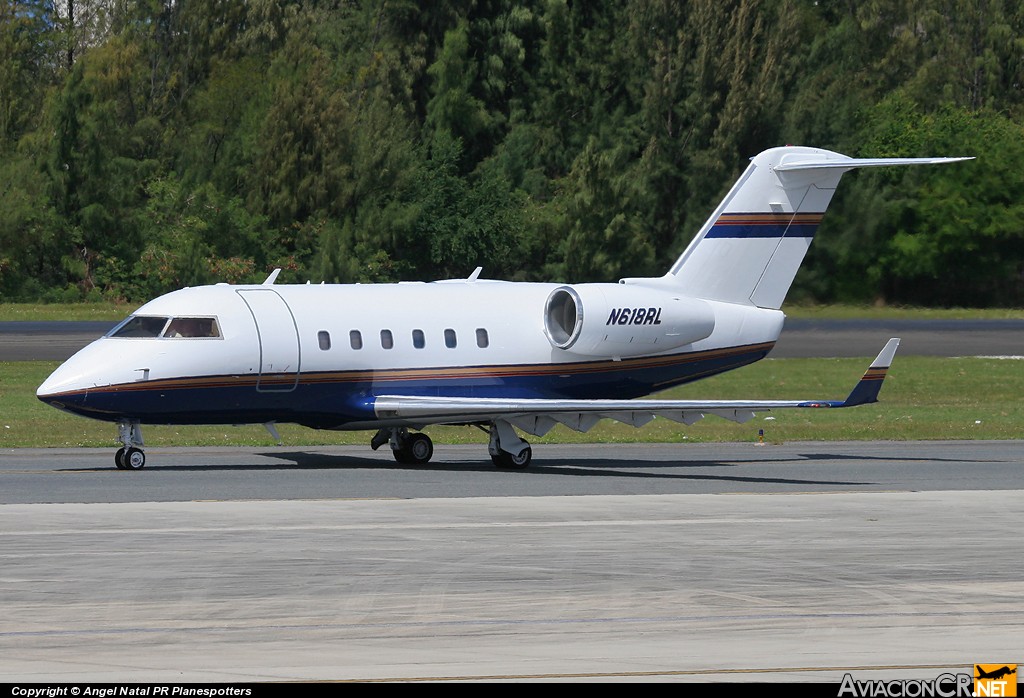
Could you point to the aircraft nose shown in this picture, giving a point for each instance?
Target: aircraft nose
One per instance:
(71, 387)
(90, 382)
(46, 388)
(80, 372)
(60, 381)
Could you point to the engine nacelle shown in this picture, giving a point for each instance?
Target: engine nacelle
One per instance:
(615, 320)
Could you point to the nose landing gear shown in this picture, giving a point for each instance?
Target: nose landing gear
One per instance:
(131, 455)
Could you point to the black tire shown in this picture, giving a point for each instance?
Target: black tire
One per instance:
(507, 461)
(416, 450)
(134, 459)
(420, 448)
(119, 459)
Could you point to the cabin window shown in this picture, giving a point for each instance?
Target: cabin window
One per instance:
(323, 338)
(418, 340)
(387, 341)
(139, 326)
(192, 328)
(482, 340)
(355, 338)
(450, 339)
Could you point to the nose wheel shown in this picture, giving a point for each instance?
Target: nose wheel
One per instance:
(130, 456)
(130, 459)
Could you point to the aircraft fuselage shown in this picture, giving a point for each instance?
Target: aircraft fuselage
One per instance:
(318, 354)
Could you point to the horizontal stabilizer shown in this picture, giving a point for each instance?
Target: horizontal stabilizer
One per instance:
(853, 163)
(537, 416)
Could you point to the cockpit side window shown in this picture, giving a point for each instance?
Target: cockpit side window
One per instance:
(139, 326)
(192, 328)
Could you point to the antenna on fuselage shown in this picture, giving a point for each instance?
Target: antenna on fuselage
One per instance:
(272, 278)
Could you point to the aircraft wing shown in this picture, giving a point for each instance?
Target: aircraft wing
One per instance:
(538, 416)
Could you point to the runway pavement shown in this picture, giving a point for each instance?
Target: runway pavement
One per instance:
(347, 472)
(56, 341)
(47, 341)
(605, 563)
(842, 338)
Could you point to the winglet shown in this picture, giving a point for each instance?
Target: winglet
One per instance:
(866, 390)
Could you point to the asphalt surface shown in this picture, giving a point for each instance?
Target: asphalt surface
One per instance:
(346, 472)
(47, 341)
(845, 338)
(712, 588)
(56, 341)
(697, 563)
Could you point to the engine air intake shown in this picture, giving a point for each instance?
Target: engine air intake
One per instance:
(616, 320)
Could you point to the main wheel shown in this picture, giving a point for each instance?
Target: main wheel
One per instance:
(134, 459)
(510, 462)
(416, 450)
(420, 448)
(119, 459)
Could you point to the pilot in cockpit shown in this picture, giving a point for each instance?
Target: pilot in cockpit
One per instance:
(191, 327)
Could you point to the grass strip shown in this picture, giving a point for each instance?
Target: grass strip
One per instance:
(927, 398)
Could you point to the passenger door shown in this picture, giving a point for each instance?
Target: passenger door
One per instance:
(278, 337)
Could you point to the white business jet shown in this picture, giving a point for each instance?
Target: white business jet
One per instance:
(502, 356)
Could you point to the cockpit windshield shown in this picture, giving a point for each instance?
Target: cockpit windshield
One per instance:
(139, 326)
(170, 328)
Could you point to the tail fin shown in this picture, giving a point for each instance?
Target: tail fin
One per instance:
(749, 250)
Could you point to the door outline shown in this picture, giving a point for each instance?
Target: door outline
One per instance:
(272, 317)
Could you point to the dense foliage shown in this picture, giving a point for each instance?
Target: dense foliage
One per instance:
(150, 144)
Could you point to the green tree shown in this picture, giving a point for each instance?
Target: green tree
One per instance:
(947, 235)
(303, 136)
(454, 110)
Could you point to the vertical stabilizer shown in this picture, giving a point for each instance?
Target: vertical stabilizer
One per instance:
(749, 250)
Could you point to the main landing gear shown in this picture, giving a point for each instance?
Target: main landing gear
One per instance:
(411, 449)
(507, 450)
(130, 456)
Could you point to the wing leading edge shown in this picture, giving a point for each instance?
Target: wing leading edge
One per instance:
(538, 416)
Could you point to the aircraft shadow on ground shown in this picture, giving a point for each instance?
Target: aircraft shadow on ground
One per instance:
(589, 467)
(575, 467)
